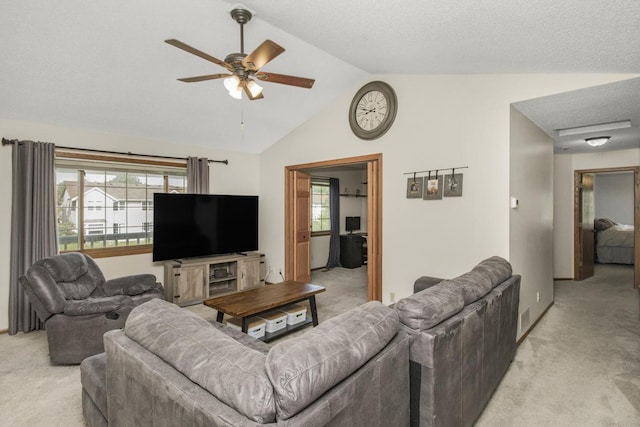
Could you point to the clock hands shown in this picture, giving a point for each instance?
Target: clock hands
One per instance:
(367, 110)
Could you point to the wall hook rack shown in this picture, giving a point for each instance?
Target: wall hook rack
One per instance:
(436, 171)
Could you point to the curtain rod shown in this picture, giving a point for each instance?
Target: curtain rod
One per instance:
(436, 170)
(13, 141)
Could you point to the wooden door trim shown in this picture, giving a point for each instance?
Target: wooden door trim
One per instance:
(374, 217)
(577, 248)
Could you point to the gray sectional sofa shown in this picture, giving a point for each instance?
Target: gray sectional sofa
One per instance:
(169, 367)
(463, 338)
(434, 359)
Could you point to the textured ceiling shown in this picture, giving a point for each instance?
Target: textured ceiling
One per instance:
(103, 64)
(596, 105)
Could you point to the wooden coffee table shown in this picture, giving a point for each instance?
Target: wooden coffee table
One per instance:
(254, 302)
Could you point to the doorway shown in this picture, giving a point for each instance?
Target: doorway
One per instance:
(297, 250)
(584, 213)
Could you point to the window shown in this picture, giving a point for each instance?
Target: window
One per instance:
(320, 215)
(87, 187)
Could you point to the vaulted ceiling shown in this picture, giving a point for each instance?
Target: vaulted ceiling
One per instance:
(104, 65)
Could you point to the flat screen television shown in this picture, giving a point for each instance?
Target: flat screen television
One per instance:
(352, 223)
(198, 225)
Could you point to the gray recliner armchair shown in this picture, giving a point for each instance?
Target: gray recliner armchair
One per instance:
(71, 296)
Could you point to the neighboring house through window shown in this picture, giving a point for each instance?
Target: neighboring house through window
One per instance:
(320, 212)
(86, 186)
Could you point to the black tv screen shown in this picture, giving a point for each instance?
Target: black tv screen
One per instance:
(197, 225)
(352, 223)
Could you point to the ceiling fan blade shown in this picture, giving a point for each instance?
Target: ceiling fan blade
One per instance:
(247, 92)
(263, 54)
(284, 79)
(194, 51)
(203, 78)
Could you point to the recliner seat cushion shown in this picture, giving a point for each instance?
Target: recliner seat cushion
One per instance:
(303, 368)
(232, 372)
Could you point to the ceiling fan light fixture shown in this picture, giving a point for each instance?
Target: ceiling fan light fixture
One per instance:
(231, 83)
(236, 92)
(597, 141)
(254, 88)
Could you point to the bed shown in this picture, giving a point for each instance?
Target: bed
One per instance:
(614, 242)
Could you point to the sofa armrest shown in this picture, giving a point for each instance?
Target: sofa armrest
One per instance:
(131, 285)
(425, 282)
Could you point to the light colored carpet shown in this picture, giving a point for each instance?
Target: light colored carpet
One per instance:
(580, 366)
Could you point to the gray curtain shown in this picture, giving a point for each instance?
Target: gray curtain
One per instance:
(198, 175)
(334, 213)
(33, 224)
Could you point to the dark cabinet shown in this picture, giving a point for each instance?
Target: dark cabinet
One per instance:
(353, 250)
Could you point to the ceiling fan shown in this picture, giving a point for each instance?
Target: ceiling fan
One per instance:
(244, 68)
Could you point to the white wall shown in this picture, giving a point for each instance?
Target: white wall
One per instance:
(240, 176)
(564, 166)
(442, 122)
(531, 223)
(613, 193)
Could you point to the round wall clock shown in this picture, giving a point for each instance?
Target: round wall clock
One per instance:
(373, 110)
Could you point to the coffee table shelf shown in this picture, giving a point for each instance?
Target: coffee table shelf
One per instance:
(254, 302)
(270, 336)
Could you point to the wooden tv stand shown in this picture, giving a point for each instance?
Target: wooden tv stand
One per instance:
(193, 280)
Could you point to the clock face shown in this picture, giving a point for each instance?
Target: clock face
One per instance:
(373, 110)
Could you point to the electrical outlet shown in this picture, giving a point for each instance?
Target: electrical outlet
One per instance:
(392, 296)
(537, 296)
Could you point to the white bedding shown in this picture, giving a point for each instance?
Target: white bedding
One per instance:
(619, 235)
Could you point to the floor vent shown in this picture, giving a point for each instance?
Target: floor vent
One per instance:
(524, 320)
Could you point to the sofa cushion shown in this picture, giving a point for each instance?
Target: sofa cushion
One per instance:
(425, 282)
(93, 376)
(474, 285)
(496, 268)
(232, 372)
(431, 306)
(302, 368)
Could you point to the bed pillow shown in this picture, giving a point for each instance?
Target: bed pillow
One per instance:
(601, 224)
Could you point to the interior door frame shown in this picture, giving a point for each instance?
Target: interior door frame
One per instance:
(374, 217)
(577, 247)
